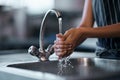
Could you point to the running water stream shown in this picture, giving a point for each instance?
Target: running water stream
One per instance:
(64, 65)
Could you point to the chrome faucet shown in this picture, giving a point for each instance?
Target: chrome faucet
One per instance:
(41, 53)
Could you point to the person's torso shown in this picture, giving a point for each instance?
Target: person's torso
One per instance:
(107, 12)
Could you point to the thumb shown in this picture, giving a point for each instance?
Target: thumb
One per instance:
(67, 34)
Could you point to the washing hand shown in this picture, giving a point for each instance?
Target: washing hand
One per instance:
(65, 44)
(61, 47)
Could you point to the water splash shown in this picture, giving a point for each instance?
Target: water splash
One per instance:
(64, 65)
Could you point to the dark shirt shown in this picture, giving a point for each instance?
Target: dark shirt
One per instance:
(107, 12)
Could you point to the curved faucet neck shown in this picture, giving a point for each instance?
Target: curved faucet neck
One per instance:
(41, 35)
(41, 53)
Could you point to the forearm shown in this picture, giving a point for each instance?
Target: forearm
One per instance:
(87, 16)
(110, 31)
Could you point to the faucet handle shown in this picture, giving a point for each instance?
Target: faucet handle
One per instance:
(41, 54)
(45, 54)
(33, 51)
(50, 49)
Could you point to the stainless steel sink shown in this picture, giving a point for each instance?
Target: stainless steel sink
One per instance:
(48, 66)
(83, 68)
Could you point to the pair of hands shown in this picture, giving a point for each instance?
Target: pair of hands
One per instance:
(65, 44)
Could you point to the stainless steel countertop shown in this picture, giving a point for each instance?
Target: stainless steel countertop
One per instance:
(85, 67)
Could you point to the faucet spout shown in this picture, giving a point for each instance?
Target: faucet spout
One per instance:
(41, 53)
(58, 15)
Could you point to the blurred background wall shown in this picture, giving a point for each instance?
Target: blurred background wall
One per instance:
(20, 21)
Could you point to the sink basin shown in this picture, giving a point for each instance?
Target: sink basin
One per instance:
(47, 66)
(83, 68)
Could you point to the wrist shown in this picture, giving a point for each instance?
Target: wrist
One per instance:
(87, 31)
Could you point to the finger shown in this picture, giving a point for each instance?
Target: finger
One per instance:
(63, 53)
(72, 41)
(67, 33)
(67, 53)
(56, 49)
(58, 42)
(59, 37)
(60, 50)
(63, 46)
(60, 54)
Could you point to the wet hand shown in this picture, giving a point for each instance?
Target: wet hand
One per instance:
(65, 44)
(61, 47)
